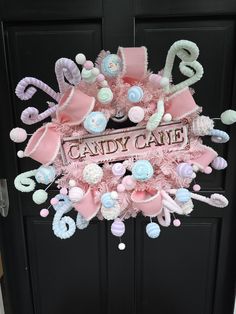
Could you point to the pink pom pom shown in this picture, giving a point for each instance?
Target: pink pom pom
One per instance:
(88, 65)
(129, 183)
(208, 170)
(176, 223)
(196, 187)
(120, 188)
(44, 212)
(20, 154)
(155, 80)
(53, 201)
(63, 191)
(100, 78)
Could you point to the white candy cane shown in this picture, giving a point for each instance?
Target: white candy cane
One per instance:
(31, 115)
(66, 68)
(24, 183)
(155, 119)
(170, 204)
(164, 218)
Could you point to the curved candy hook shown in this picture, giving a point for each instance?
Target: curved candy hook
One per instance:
(170, 204)
(218, 136)
(65, 67)
(164, 218)
(24, 92)
(24, 183)
(31, 115)
(81, 222)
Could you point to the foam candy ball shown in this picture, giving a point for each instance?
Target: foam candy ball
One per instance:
(76, 194)
(45, 174)
(153, 230)
(129, 183)
(118, 169)
(183, 195)
(105, 95)
(63, 191)
(18, 135)
(219, 163)
(80, 58)
(142, 170)
(196, 187)
(44, 212)
(118, 228)
(95, 122)
(184, 170)
(92, 173)
(136, 114)
(107, 201)
(111, 65)
(20, 154)
(111, 213)
(40, 196)
(54, 201)
(135, 94)
(228, 117)
(121, 246)
(100, 78)
(95, 72)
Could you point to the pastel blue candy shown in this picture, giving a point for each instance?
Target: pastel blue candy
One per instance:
(153, 230)
(135, 94)
(63, 203)
(81, 222)
(45, 174)
(107, 201)
(183, 195)
(219, 136)
(142, 170)
(95, 122)
(111, 65)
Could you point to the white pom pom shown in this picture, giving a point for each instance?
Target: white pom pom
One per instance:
(80, 58)
(72, 183)
(95, 71)
(167, 117)
(20, 154)
(114, 195)
(121, 246)
(195, 168)
(164, 82)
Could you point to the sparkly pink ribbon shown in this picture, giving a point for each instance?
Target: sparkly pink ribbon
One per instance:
(72, 109)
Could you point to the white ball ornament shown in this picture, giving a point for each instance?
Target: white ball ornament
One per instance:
(136, 114)
(121, 246)
(20, 154)
(228, 117)
(40, 196)
(80, 58)
(18, 135)
(76, 194)
(92, 173)
(95, 71)
(72, 183)
(114, 195)
(167, 117)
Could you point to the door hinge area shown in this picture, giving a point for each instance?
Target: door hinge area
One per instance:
(4, 199)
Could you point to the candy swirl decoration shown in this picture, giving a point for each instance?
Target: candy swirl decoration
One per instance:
(116, 174)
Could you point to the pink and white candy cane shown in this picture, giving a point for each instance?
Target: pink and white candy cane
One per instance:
(170, 204)
(31, 115)
(24, 91)
(66, 68)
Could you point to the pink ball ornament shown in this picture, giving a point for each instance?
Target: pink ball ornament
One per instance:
(176, 223)
(118, 169)
(196, 187)
(118, 228)
(100, 78)
(44, 212)
(88, 65)
(136, 114)
(208, 170)
(155, 80)
(53, 201)
(63, 191)
(120, 188)
(129, 183)
(18, 135)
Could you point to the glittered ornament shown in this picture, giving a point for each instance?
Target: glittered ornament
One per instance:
(153, 230)
(183, 195)
(111, 65)
(135, 94)
(45, 174)
(118, 169)
(219, 163)
(184, 170)
(136, 114)
(142, 170)
(118, 228)
(76, 194)
(105, 95)
(40, 196)
(92, 173)
(228, 117)
(18, 135)
(95, 122)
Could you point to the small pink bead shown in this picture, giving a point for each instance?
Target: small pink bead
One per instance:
(44, 212)
(88, 65)
(63, 191)
(155, 79)
(196, 187)
(53, 201)
(176, 223)
(208, 170)
(120, 188)
(100, 78)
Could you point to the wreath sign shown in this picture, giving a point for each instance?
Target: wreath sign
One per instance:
(115, 174)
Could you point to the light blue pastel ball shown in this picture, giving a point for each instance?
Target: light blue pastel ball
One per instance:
(153, 230)
(183, 195)
(135, 94)
(142, 170)
(111, 65)
(45, 174)
(95, 122)
(107, 201)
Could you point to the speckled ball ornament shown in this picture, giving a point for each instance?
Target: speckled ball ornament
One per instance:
(18, 135)
(136, 114)
(183, 195)
(118, 228)
(118, 169)
(129, 183)
(142, 170)
(45, 174)
(105, 95)
(153, 230)
(135, 94)
(92, 173)
(95, 122)
(81, 222)
(184, 170)
(107, 201)
(112, 212)
(228, 117)
(219, 163)
(202, 125)
(40, 196)
(111, 65)
(76, 194)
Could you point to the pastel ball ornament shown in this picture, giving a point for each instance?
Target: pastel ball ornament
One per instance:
(45, 174)
(118, 169)
(40, 196)
(76, 194)
(18, 135)
(111, 65)
(184, 170)
(105, 95)
(153, 230)
(136, 114)
(142, 170)
(118, 228)
(107, 200)
(219, 163)
(228, 117)
(183, 195)
(92, 173)
(95, 122)
(135, 94)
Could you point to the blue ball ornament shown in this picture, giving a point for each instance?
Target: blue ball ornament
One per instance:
(153, 230)
(111, 65)
(183, 195)
(95, 122)
(107, 200)
(135, 94)
(142, 170)
(45, 174)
